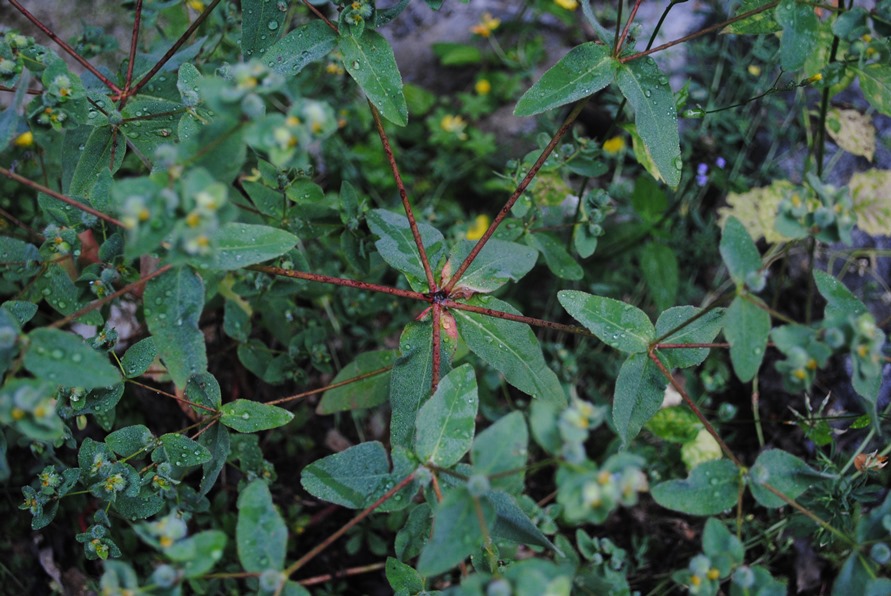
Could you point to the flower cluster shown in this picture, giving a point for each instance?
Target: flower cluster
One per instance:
(817, 210)
(702, 170)
(486, 26)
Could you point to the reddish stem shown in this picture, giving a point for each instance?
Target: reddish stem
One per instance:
(174, 48)
(340, 281)
(28, 91)
(59, 196)
(403, 196)
(630, 20)
(518, 318)
(290, 398)
(321, 579)
(346, 527)
(173, 397)
(319, 14)
(67, 48)
(681, 346)
(106, 299)
(437, 333)
(516, 195)
(134, 38)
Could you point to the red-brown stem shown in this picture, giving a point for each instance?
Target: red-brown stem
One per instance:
(21, 225)
(106, 299)
(174, 48)
(627, 28)
(321, 579)
(403, 196)
(708, 425)
(59, 196)
(173, 397)
(681, 346)
(67, 48)
(205, 429)
(518, 318)
(346, 527)
(134, 39)
(340, 281)
(809, 514)
(437, 333)
(13, 90)
(319, 14)
(517, 194)
(290, 398)
(700, 33)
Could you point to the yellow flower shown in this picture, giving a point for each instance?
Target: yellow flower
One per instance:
(816, 78)
(196, 5)
(614, 145)
(754, 70)
(483, 87)
(334, 69)
(454, 124)
(486, 26)
(479, 227)
(713, 574)
(567, 4)
(26, 139)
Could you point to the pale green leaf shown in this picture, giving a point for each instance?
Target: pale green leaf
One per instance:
(784, 472)
(247, 416)
(238, 245)
(800, 32)
(397, 246)
(300, 47)
(65, 359)
(260, 533)
(261, 24)
(557, 258)
(456, 531)
(370, 61)
(183, 451)
(500, 448)
(659, 266)
(445, 423)
(368, 392)
(711, 488)
(746, 327)
(496, 264)
(619, 325)
(640, 389)
(875, 82)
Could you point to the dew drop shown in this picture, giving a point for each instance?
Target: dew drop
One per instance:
(272, 25)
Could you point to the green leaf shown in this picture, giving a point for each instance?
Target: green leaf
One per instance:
(840, 302)
(659, 266)
(646, 88)
(446, 422)
(702, 329)
(746, 327)
(496, 264)
(130, 440)
(712, 487)
(502, 447)
(370, 61)
(247, 416)
(238, 245)
(739, 251)
(366, 393)
(726, 550)
(855, 575)
(510, 347)
(640, 389)
(800, 32)
(183, 452)
(456, 531)
(512, 523)
(147, 124)
(218, 442)
(784, 472)
(354, 478)
(199, 553)
(585, 70)
(619, 325)
(139, 357)
(403, 578)
(300, 47)
(411, 380)
(758, 24)
(204, 389)
(456, 54)
(65, 359)
(104, 150)
(63, 296)
(875, 82)
(397, 245)
(557, 258)
(172, 305)
(260, 534)
(21, 310)
(261, 24)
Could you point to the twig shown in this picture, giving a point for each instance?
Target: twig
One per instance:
(624, 35)
(134, 38)
(367, 375)
(518, 318)
(340, 281)
(321, 579)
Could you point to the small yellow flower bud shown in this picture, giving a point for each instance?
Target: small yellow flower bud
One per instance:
(26, 139)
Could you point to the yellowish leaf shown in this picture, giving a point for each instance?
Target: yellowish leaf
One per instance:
(852, 131)
(871, 194)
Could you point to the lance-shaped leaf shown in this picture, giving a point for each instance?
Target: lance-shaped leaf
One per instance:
(512, 523)
(760, 23)
(238, 245)
(700, 330)
(183, 451)
(640, 389)
(510, 347)
(261, 25)
(784, 472)
(840, 301)
(711, 488)
(248, 416)
(557, 258)
(172, 305)
(800, 32)
(300, 47)
(397, 245)
(65, 359)
(370, 61)
(456, 531)
(746, 327)
(496, 264)
(411, 379)
(875, 82)
(445, 423)
(368, 392)
(96, 157)
(619, 325)
(659, 266)
(585, 70)
(500, 448)
(260, 533)
(739, 251)
(646, 88)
